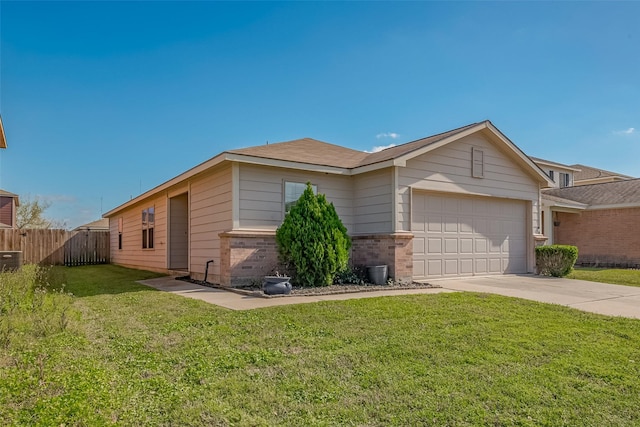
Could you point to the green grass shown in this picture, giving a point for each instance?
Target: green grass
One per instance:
(607, 275)
(131, 355)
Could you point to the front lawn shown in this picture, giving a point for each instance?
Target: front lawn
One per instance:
(614, 276)
(131, 355)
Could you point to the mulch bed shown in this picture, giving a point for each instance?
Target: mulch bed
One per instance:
(315, 291)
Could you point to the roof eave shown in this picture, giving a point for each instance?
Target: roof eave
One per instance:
(170, 183)
(263, 161)
(3, 139)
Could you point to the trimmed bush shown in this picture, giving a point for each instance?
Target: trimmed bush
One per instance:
(312, 241)
(556, 260)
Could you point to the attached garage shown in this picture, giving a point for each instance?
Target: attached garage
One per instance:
(464, 236)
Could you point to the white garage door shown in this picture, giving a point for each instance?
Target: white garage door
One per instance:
(465, 236)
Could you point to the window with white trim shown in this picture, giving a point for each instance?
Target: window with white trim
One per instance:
(293, 191)
(477, 163)
(552, 176)
(148, 226)
(564, 180)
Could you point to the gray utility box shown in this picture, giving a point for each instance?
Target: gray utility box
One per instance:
(10, 260)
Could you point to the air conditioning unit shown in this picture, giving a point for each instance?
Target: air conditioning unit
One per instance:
(10, 260)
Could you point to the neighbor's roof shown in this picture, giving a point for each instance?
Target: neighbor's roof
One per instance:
(3, 139)
(605, 194)
(587, 172)
(100, 224)
(556, 164)
(6, 193)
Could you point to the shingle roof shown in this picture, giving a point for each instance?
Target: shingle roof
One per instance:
(312, 151)
(563, 201)
(587, 172)
(561, 165)
(100, 224)
(306, 150)
(609, 193)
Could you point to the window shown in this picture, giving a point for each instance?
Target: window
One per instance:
(564, 179)
(293, 191)
(120, 226)
(477, 163)
(552, 176)
(148, 225)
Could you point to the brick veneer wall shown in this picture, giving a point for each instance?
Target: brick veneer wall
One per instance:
(246, 257)
(395, 250)
(607, 237)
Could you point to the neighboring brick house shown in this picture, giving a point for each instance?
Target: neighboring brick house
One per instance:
(602, 220)
(464, 202)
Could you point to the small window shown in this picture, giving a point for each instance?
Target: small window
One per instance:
(552, 176)
(564, 179)
(477, 163)
(148, 226)
(120, 227)
(293, 191)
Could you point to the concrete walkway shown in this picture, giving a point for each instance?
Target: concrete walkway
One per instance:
(602, 298)
(236, 301)
(613, 300)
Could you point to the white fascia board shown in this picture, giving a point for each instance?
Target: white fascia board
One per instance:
(568, 208)
(202, 167)
(557, 165)
(241, 158)
(614, 206)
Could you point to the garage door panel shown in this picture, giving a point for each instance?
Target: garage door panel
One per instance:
(418, 245)
(466, 266)
(481, 266)
(451, 225)
(451, 246)
(468, 236)
(466, 246)
(480, 246)
(434, 267)
(434, 223)
(451, 267)
(495, 265)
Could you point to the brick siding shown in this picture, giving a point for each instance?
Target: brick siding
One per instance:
(246, 257)
(395, 250)
(607, 237)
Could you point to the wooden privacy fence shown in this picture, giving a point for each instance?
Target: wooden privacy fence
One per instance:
(57, 247)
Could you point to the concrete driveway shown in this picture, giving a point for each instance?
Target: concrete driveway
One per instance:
(613, 300)
(602, 298)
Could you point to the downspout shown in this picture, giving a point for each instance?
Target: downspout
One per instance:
(206, 270)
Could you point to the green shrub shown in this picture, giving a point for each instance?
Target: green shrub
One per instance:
(356, 275)
(312, 241)
(556, 260)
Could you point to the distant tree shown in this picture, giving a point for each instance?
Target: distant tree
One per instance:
(30, 214)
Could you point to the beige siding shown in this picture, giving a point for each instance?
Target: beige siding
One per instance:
(262, 202)
(132, 253)
(373, 201)
(210, 215)
(448, 169)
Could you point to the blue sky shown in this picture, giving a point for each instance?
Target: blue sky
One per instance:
(104, 100)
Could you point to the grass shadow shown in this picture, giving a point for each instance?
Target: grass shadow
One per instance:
(91, 280)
